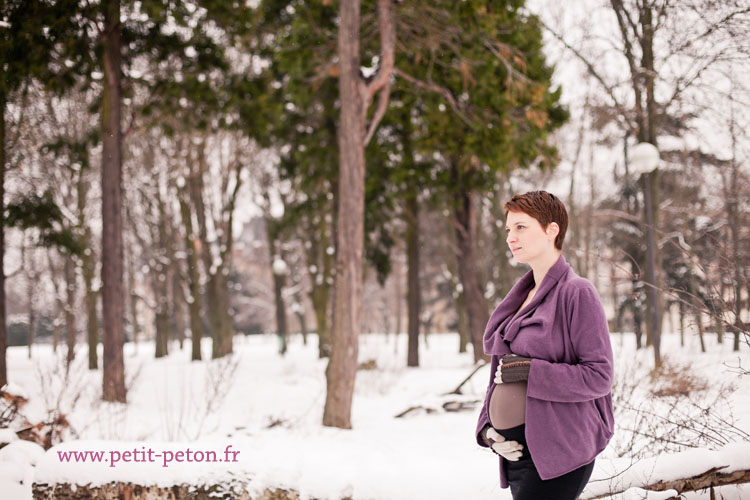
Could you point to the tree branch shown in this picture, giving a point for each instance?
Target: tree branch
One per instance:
(446, 93)
(592, 70)
(381, 80)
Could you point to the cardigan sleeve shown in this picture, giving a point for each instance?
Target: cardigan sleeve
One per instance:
(591, 377)
(484, 418)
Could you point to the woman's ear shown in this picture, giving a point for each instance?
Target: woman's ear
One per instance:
(553, 228)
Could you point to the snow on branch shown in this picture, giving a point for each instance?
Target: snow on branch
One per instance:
(690, 470)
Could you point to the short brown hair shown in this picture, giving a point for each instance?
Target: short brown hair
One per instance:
(544, 207)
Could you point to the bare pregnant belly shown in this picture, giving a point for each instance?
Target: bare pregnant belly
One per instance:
(508, 405)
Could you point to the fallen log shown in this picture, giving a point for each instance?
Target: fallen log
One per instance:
(129, 491)
(711, 478)
(708, 479)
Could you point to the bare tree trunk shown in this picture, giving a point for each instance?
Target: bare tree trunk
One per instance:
(682, 323)
(178, 303)
(92, 317)
(412, 250)
(32, 283)
(473, 291)
(217, 313)
(642, 76)
(160, 280)
(342, 365)
(699, 324)
(281, 326)
(194, 300)
(300, 313)
(133, 300)
(3, 319)
(275, 252)
(176, 308)
(612, 280)
(70, 306)
(88, 270)
(113, 304)
(720, 327)
(637, 311)
(32, 315)
(162, 332)
(319, 296)
(463, 323)
(59, 304)
(355, 97)
(732, 207)
(217, 294)
(399, 298)
(320, 263)
(588, 223)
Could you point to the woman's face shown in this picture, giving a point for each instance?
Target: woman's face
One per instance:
(526, 238)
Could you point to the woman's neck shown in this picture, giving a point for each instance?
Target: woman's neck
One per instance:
(542, 266)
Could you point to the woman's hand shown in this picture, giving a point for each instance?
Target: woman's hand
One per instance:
(509, 450)
(512, 368)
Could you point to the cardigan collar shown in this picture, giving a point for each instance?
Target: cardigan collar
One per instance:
(504, 324)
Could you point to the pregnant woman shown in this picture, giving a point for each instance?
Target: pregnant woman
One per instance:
(548, 408)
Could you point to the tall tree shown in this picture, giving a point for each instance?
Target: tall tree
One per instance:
(30, 34)
(356, 94)
(670, 51)
(113, 297)
(487, 107)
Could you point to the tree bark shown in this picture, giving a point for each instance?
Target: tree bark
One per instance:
(194, 300)
(70, 306)
(414, 299)
(32, 316)
(473, 291)
(319, 271)
(177, 312)
(160, 280)
(463, 323)
(132, 299)
(681, 307)
(176, 306)
(706, 480)
(217, 294)
(273, 234)
(281, 325)
(92, 317)
(113, 304)
(300, 313)
(355, 96)
(732, 208)
(88, 270)
(342, 365)
(319, 296)
(3, 326)
(32, 278)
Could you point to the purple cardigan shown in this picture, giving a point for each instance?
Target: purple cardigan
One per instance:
(569, 417)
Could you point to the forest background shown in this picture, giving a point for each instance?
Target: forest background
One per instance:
(172, 171)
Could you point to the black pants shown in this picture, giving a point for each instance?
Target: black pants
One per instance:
(524, 480)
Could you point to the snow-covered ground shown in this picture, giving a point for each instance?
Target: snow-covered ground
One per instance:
(269, 409)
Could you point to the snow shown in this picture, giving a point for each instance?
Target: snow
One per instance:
(667, 467)
(641, 494)
(21, 452)
(15, 389)
(7, 436)
(269, 409)
(279, 267)
(17, 462)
